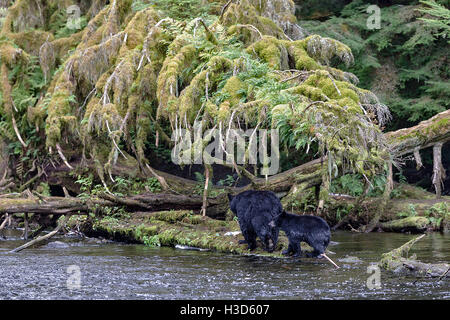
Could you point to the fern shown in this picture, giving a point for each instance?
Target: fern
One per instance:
(6, 131)
(440, 20)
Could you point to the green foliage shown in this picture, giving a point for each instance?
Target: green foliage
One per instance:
(153, 185)
(437, 213)
(120, 187)
(87, 187)
(134, 70)
(307, 203)
(228, 181)
(152, 241)
(411, 212)
(139, 5)
(44, 189)
(353, 185)
(180, 9)
(123, 186)
(58, 24)
(350, 184)
(114, 214)
(414, 84)
(441, 18)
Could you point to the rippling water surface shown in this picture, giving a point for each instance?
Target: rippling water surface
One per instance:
(124, 271)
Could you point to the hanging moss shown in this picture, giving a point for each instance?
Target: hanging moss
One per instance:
(115, 86)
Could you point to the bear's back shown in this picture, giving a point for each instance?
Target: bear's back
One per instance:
(262, 202)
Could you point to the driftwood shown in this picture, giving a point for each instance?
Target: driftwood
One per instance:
(42, 238)
(396, 261)
(2, 226)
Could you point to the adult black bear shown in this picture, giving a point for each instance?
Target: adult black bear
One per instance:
(256, 212)
(310, 229)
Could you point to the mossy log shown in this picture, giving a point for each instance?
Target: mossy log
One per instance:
(178, 228)
(409, 224)
(142, 202)
(426, 134)
(44, 205)
(395, 262)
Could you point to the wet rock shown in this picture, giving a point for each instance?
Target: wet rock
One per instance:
(57, 245)
(350, 259)
(182, 247)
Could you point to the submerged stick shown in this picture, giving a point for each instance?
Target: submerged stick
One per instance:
(4, 224)
(325, 256)
(42, 238)
(25, 232)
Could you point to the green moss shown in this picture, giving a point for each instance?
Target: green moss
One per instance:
(170, 228)
(415, 223)
(235, 88)
(171, 216)
(268, 49)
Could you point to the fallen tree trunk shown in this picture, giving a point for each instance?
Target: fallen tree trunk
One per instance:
(409, 224)
(142, 202)
(426, 134)
(46, 205)
(395, 262)
(167, 201)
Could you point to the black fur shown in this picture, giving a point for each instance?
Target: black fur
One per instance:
(310, 229)
(256, 212)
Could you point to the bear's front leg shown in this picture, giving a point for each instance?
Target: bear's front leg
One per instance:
(250, 239)
(296, 249)
(288, 251)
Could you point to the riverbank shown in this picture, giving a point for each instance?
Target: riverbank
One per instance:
(411, 210)
(182, 229)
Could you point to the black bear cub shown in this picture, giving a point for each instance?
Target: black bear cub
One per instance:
(256, 212)
(310, 229)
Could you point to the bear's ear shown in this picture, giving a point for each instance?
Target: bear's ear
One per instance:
(230, 196)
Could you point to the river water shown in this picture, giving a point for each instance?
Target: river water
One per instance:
(96, 270)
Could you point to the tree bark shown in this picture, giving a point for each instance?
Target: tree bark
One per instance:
(142, 202)
(426, 134)
(437, 169)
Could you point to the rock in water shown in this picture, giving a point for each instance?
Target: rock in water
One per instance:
(350, 259)
(57, 245)
(182, 247)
